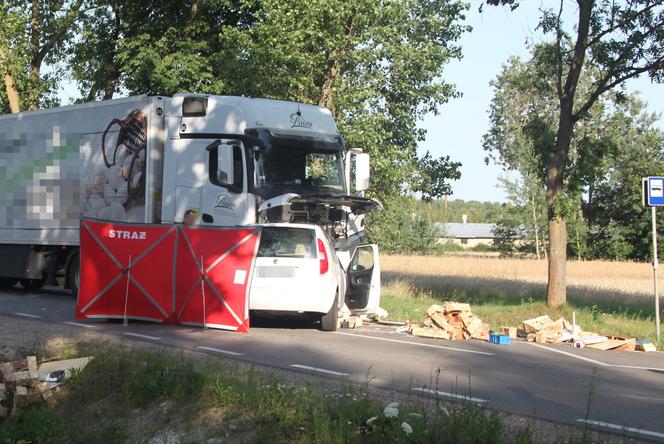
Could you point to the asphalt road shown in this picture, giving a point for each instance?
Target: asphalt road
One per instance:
(549, 382)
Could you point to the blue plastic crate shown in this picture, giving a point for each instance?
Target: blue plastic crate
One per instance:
(496, 338)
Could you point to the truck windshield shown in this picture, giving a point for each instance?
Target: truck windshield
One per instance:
(299, 170)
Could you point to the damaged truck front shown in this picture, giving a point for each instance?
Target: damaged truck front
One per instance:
(284, 166)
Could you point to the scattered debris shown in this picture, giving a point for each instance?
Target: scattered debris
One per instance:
(509, 331)
(352, 322)
(645, 345)
(499, 339)
(23, 382)
(452, 320)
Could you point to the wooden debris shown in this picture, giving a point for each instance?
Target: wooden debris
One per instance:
(441, 322)
(645, 346)
(32, 370)
(509, 331)
(352, 322)
(536, 324)
(20, 386)
(427, 332)
(455, 307)
(451, 320)
(629, 345)
(609, 344)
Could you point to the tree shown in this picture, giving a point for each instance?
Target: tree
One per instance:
(376, 66)
(31, 34)
(623, 39)
(522, 222)
(618, 224)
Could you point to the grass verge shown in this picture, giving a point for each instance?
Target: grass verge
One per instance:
(130, 394)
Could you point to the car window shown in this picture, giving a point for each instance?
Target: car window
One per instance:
(287, 242)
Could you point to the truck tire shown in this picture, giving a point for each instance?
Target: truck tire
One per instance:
(74, 275)
(7, 282)
(330, 320)
(32, 284)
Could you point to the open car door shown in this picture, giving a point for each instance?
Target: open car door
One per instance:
(363, 279)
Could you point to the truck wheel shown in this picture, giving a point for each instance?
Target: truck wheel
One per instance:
(330, 320)
(32, 284)
(7, 282)
(74, 275)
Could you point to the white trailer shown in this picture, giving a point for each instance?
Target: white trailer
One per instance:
(232, 160)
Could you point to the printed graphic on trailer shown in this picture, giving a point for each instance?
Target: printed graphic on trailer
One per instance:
(115, 170)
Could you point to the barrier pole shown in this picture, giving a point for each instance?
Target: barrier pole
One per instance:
(127, 290)
(203, 289)
(655, 263)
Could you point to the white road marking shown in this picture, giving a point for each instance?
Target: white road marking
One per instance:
(26, 315)
(217, 350)
(319, 370)
(450, 395)
(594, 361)
(623, 428)
(415, 343)
(141, 336)
(571, 355)
(79, 324)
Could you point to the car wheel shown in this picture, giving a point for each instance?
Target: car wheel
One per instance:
(330, 320)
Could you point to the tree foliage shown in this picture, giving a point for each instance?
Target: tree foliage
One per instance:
(615, 145)
(621, 39)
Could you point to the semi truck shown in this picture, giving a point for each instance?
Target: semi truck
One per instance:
(232, 161)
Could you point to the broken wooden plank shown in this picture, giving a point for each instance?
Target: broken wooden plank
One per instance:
(549, 335)
(435, 309)
(609, 344)
(482, 332)
(474, 326)
(441, 322)
(46, 394)
(509, 331)
(425, 332)
(32, 367)
(629, 345)
(536, 324)
(455, 307)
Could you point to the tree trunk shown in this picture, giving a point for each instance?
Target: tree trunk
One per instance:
(556, 288)
(556, 291)
(36, 61)
(10, 86)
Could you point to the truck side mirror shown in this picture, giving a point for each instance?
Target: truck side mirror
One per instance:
(361, 171)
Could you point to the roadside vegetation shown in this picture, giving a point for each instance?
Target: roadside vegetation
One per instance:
(130, 394)
(609, 298)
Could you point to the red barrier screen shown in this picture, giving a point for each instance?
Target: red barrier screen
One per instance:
(166, 273)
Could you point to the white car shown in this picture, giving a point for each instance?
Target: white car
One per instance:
(297, 271)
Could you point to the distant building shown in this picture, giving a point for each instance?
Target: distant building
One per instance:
(467, 235)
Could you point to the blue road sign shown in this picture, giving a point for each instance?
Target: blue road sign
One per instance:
(653, 191)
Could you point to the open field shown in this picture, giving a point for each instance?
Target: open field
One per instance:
(608, 297)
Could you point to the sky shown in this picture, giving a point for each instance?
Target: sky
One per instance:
(458, 128)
